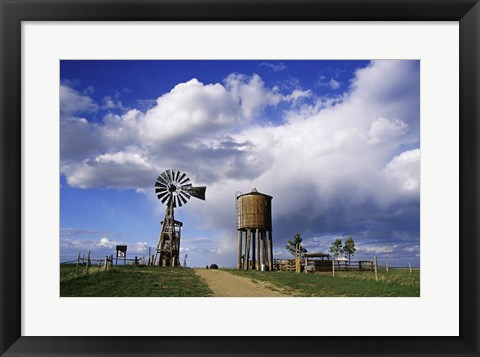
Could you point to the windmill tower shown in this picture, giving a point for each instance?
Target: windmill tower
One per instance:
(174, 189)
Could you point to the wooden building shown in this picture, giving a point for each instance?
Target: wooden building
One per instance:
(318, 261)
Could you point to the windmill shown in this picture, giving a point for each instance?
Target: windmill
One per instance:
(174, 189)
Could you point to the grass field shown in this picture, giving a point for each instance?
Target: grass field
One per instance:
(131, 281)
(141, 281)
(353, 283)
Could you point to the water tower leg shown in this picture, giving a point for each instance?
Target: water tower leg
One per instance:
(239, 256)
(254, 243)
(271, 250)
(247, 248)
(262, 247)
(257, 242)
(267, 254)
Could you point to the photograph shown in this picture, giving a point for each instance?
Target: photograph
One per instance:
(240, 178)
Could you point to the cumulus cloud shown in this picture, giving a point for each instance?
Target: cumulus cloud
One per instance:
(331, 83)
(334, 84)
(281, 66)
(100, 244)
(404, 172)
(178, 128)
(333, 165)
(73, 102)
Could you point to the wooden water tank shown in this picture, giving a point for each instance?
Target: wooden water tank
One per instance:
(254, 211)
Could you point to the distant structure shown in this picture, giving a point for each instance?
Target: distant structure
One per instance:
(254, 222)
(185, 261)
(121, 252)
(174, 189)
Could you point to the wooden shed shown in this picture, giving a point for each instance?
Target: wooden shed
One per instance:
(318, 261)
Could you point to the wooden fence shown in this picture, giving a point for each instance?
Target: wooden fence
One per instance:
(319, 265)
(106, 263)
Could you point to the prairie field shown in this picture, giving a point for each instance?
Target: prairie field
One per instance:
(149, 281)
(395, 282)
(131, 281)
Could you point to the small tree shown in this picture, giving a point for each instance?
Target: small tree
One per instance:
(349, 248)
(292, 244)
(336, 248)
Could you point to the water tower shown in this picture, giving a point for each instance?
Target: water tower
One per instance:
(254, 222)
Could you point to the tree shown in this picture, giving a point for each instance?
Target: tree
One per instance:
(291, 246)
(349, 248)
(336, 248)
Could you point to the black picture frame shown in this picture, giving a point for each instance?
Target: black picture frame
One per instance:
(13, 12)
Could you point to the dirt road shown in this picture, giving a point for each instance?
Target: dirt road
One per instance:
(226, 284)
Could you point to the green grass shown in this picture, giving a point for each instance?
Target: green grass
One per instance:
(352, 283)
(131, 281)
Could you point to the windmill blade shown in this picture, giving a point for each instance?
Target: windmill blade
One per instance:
(198, 192)
(162, 194)
(169, 174)
(185, 180)
(174, 201)
(185, 195)
(163, 176)
(166, 197)
(160, 190)
(174, 174)
(178, 174)
(160, 181)
(183, 198)
(179, 202)
(160, 185)
(181, 177)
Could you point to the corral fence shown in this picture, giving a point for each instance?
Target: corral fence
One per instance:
(326, 265)
(85, 263)
(322, 265)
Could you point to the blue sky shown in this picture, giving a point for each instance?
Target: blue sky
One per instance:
(336, 143)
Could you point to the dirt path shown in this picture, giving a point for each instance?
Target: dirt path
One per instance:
(226, 284)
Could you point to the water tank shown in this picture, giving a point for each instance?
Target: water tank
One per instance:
(254, 211)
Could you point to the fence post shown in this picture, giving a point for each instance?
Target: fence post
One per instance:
(386, 266)
(78, 261)
(410, 267)
(375, 266)
(88, 263)
(333, 266)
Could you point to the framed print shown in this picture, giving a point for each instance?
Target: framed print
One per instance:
(314, 168)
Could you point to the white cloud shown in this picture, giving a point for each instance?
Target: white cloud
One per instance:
(183, 120)
(98, 247)
(404, 172)
(323, 81)
(275, 67)
(386, 129)
(333, 84)
(73, 103)
(412, 249)
(105, 242)
(377, 249)
(297, 94)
